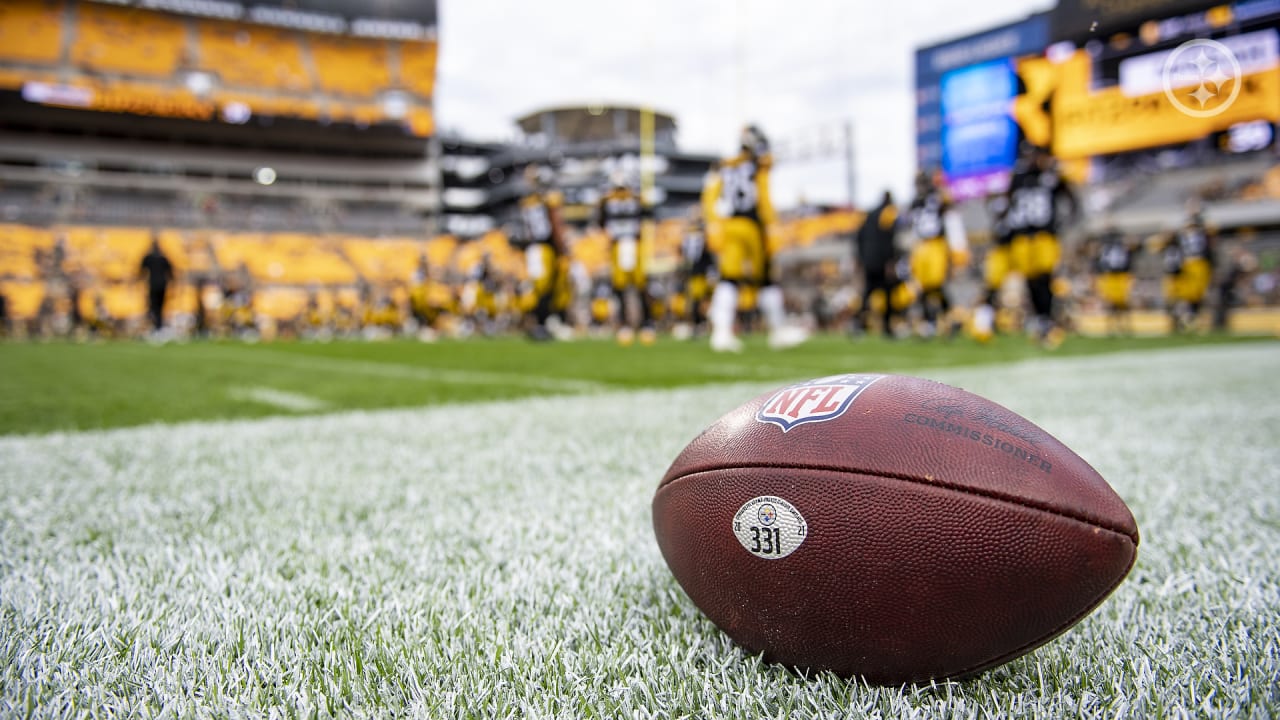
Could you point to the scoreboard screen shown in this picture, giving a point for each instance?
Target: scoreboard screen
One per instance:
(979, 135)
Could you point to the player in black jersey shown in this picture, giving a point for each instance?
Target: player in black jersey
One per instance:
(696, 263)
(623, 215)
(1188, 263)
(1036, 191)
(1113, 263)
(930, 257)
(995, 268)
(540, 234)
(736, 199)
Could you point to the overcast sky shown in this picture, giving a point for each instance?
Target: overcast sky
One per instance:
(791, 66)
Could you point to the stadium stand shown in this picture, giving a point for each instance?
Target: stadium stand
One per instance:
(592, 250)
(21, 248)
(1233, 193)
(284, 258)
(106, 254)
(351, 66)
(126, 40)
(418, 67)
(122, 300)
(31, 31)
(252, 56)
(24, 298)
(384, 261)
(440, 250)
(280, 303)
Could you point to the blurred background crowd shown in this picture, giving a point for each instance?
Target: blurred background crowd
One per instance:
(216, 169)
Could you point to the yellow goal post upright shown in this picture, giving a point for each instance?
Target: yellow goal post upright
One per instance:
(648, 197)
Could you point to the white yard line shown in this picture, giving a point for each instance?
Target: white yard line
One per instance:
(284, 400)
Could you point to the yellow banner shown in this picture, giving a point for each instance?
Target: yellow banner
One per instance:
(1080, 122)
(144, 100)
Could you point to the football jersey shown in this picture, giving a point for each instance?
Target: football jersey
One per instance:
(1194, 242)
(1114, 256)
(927, 215)
(1033, 201)
(535, 218)
(693, 251)
(1171, 257)
(621, 214)
(483, 276)
(1000, 231)
(744, 193)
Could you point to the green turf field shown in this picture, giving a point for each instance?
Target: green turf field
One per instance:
(496, 559)
(60, 386)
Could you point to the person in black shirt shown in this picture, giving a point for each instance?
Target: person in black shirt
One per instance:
(875, 253)
(159, 272)
(1034, 221)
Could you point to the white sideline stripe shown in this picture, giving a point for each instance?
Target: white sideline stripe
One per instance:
(411, 372)
(277, 398)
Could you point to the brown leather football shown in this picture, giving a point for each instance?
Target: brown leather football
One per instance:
(889, 527)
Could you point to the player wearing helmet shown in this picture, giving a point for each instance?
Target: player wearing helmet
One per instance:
(622, 214)
(736, 199)
(540, 233)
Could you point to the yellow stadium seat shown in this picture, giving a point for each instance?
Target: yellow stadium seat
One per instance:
(128, 40)
(18, 247)
(284, 258)
(280, 303)
(24, 298)
(124, 300)
(418, 66)
(31, 31)
(263, 104)
(592, 250)
(440, 250)
(384, 261)
(252, 56)
(351, 66)
(119, 302)
(111, 254)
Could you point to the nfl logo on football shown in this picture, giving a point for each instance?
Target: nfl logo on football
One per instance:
(813, 401)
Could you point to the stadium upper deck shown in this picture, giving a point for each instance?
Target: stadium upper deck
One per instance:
(107, 58)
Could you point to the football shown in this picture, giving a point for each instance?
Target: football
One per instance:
(889, 527)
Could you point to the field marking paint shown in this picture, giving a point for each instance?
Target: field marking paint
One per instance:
(297, 402)
(413, 372)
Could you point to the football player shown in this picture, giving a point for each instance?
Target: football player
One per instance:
(480, 296)
(1035, 192)
(622, 214)
(876, 254)
(696, 262)
(930, 255)
(736, 197)
(541, 235)
(1113, 263)
(995, 268)
(1189, 269)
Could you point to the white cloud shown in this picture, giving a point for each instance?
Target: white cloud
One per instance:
(714, 64)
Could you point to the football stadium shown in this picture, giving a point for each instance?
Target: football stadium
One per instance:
(321, 398)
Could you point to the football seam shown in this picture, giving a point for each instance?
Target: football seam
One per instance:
(1022, 502)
